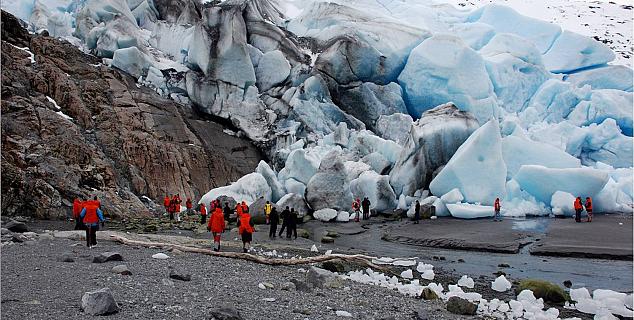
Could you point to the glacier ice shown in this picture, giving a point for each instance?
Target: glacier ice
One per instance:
(325, 215)
(518, 152)
(604, 104)
(329, 187)
(295, 201)
(272, 69)
(395, 127)
(572, 51)
(543, 182)
(562, 204)
(479, 159)
(377, 188)
(132, 61)
(466, 281)
(501, 284)
(444, 69)
(369, 101)
(248, 188)
(277, 190)
(453, 196)
(469, 211)
(604, 77)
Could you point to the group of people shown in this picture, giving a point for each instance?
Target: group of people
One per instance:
(358, 205)
(579, 206)
(87, 215)
(289, 220)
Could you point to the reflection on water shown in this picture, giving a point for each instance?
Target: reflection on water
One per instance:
(533, 224)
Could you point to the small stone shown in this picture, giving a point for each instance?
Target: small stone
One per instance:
(333, 266)
(461, 260)
(269, 299)
(268, 285)
(67, 257)
(499, 273)
(100, 302)
(461, 306)
(327, 239)
(428, 294)
(504, 265)
(332, 234)
(160, 256)
(225, 313)
(261, 286)
(301, 286)
(288, 286)
(568, 284)
(107, 256)
(180, 276)
(442, 258)
(121, 269)
(342, 313)
(167, 282)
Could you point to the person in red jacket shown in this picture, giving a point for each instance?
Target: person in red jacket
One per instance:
(245, 208)
(589, 208)
(77, 206)
(245, 229)
(188, 205)
(238, 211)
(578, 208)
(177, 207)
(203, 213)
(91, 215)
(216, 226)
(496, 208)
(166, 204)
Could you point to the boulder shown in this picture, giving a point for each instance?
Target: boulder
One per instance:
(301, 285)
(333, 266)
(99, 303)
(288, 286)
(327, 239)
(343, 216)
(107, 256)
(329, 187)
(461, 306)
(16, 226)
(432, 141)
(550, 292)
(256, 209)
(67, 257)
(293, 200)
(321, 278)
(121, 269)
(428, 294)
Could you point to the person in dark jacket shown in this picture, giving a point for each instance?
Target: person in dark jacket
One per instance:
(365, 204)
(285, 217)
(417, 212)
(274, 219)
(227, 211)
(292, 224)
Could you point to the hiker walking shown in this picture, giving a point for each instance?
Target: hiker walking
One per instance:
(172, 207)
(78, 205)
(365, 204)
(356, 207)
(496, 208)
(245, 229)
(177, 207)
(188, 205)
(166, 204)
(417, 212)
(291, 227)
(285, 218)
(274, 219)
(216, 226)
(578, 208)
(91, 216)
(588, 206)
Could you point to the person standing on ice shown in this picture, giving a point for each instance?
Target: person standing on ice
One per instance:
(246, 229)
(216, 226)
(274, 219)
(578, 208)
(292, 224)
(496, 208)
(588, 206)
(285, 217)
(417, 212)
(356, 207)
(365, 204)
(203, 213)
(267, 211)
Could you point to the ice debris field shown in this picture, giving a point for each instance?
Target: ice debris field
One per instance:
(396, 101)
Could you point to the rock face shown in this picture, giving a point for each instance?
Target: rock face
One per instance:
(120, 142)
(432, 141)
(329, 187)
(99, 303)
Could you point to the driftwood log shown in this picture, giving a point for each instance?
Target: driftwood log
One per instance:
(359, 259)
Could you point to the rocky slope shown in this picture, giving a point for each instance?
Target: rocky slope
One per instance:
(75, 128)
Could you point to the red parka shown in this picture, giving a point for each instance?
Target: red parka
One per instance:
(217, 221)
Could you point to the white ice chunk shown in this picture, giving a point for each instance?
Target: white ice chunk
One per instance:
(501, 284)
(470, 211)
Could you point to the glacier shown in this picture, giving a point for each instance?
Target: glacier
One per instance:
(395, 101)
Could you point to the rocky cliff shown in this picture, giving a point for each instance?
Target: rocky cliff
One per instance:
(72, 127)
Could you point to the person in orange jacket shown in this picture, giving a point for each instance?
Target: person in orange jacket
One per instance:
(245, 208)
(496, 208)
(203, 213)
(246, 229)
(589, 208)
(177, 207)
(578, 208)
(188, 205)
(238, 211)
(166, 204)
(91, 215)
(77, 206)
(216, 226)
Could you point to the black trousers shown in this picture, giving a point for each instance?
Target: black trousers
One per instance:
(291, 230)
(284, 226)
(272, 230)
(79, 225)
(203, 219)
(91, 235)
(578, 215)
